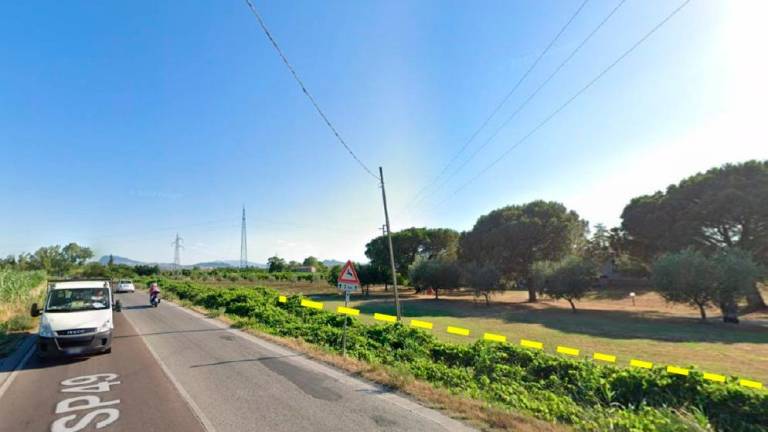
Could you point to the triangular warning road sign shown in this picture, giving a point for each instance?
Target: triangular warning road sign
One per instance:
(348, 274)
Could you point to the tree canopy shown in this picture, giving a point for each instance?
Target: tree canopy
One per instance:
(276, 264)
(411, 243)
(54, 259)
(691, 277)
(437, 274)
(722, 208)
(484, 279)
(512, 238)
(570, 278)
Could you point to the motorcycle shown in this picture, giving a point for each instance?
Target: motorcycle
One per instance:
(154, 299)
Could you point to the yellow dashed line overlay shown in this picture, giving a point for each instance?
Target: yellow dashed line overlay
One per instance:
(568, 350)
(348, 311)
(604, 357)
(677, 370)
(714, 377)
(750, 384)
(458, 331)
(526, 343)
(384, 317)
(531, 344)
(641, 364)
(421, 324)
(311, 304)
(494, 337)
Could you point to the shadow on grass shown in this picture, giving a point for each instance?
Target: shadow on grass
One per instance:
(613, 324)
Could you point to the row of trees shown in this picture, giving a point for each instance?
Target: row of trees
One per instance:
(720, 216)
(277, 264)
(500, 251)
(55, 260)
(712, 213)
(691, 277)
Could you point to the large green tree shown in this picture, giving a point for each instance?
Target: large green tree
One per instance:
(276, 264)
(570, 278)
(725, 207)
(512, 238)
(685, 277)
(691, 277)
(76, 254)
(437, 274)
(411, 243)
(484, 279)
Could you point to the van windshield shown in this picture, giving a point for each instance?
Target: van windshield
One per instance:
(78, 299)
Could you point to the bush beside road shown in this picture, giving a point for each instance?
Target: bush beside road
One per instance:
(18, 290)
(581, 393)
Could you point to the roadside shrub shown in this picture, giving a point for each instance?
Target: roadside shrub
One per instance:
(584, 394)
(18, 323)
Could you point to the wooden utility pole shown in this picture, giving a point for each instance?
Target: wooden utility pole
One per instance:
(389, 240)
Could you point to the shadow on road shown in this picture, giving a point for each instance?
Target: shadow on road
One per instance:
(36, 362)
(132, 335)
(146, 306)
(257, 359)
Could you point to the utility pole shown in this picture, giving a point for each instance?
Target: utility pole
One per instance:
(389, 240)
(243, 244)
(177, 246)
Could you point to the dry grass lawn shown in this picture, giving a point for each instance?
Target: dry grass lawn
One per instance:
(609, 323)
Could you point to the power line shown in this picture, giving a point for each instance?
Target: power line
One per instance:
(533, 94)
(304, 89)
(501, 103)
(583, 89)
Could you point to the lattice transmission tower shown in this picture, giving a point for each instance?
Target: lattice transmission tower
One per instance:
(243, 244)
(177, 247)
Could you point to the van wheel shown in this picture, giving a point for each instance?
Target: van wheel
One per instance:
(108, 350)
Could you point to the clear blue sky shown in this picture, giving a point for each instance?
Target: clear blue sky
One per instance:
(124, 122)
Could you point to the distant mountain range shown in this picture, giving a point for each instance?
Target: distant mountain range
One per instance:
(203, 265)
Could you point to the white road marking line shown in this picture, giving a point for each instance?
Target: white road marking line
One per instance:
(16, 370)
(207, 425)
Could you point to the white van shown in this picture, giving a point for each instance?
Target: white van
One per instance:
(76, 318)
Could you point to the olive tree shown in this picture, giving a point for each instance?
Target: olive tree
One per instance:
(570, 278)
(484, 279)
(437, 274)
(685, 277)
(736, 275)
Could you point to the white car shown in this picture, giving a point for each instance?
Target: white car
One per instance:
(76, 318)
(124, 286)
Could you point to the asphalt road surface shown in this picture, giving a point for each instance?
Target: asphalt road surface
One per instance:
(174, 370)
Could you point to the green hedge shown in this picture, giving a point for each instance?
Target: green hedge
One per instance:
(577, 392)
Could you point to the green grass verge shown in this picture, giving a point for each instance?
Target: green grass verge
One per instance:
(581, 393)
(713, 346)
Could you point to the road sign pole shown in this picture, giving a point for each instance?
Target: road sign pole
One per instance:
(344, 335)
(389, 240)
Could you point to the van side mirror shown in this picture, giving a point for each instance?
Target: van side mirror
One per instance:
(34, 310)
(118, 306)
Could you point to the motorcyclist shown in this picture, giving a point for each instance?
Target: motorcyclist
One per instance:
(154, 291)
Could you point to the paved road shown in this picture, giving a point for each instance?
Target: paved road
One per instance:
(180, 371)
(147, 399)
